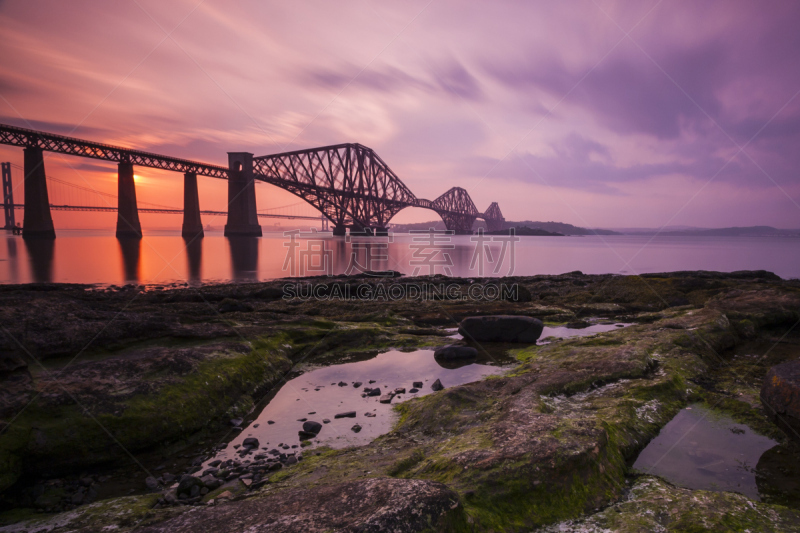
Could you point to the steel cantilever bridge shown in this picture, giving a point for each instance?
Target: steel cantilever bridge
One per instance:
(348, 183)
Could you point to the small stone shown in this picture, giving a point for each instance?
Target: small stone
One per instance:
(356, 384)
(227, 495)
(291, 460)
(250, 442)
(312, 427)
(370, 415)
(326, 421)
(204, 491)
(413, 391)
(400, 390)
(356, 428)
(305, 435)
(371, 381)
(342, 384)
(437, 385)
(270, 422)
(348, 414)
(256, 425)
(247, 482)
(215, 463)
(387, 398)
(417, 384)
(236, 422)
(151, 483)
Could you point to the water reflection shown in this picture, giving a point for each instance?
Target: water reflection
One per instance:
(40, 255)
(131, 258)
(194, 257)
(244, 257)
(13, 271)
(92, 257)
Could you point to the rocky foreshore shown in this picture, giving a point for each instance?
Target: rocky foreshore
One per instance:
(96, 379)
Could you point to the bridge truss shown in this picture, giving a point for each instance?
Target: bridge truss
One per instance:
(348, 183)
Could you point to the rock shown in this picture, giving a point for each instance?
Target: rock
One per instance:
(215, 463)
(348, 414)
(369, 505)
(387, 398)
(326, 421)
(250, 442)
(400, 390)
(312, 427)
(356, 384)
(517, 293)
(342, 384)
(413, 391)
(151, 483)
(454, 351)
(291, 460)
(188, 485)
(236, 422)
(270, 422)
(356, 428)
(373, 392)
(780, 395)
(370, 415)
(305, 435)
(229, 305)
(501, 328)
(437, 385)
(417, 384)
(247, 482)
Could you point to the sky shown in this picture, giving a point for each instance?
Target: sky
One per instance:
(597, 113)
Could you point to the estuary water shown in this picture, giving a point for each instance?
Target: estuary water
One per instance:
(164, 257)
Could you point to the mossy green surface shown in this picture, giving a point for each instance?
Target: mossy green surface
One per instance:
(655, 505)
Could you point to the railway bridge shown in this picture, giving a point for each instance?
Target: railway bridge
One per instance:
(349, 184)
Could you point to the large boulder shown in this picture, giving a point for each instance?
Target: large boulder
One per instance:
(780, 395)
(501, 328)
(453, 352)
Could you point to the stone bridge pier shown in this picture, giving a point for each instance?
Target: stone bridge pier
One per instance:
(37, 221)
(242, 214)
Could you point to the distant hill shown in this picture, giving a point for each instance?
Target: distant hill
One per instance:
(747, 231)
(549, 228)
(526, 231)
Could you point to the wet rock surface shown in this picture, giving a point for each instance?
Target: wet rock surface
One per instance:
(455, 352)
(547, 442)
(780, 395)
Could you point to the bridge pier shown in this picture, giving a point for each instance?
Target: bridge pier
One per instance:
(192, 225)
(242, 214)
(37, 221)
(8, 197)
(128, 225)
(381, 232)
(339, 231)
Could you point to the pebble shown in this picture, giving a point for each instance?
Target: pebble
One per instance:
(356, 428)
(413, 391)
(236, 422)
(437, 385)
(348, 414)
(270, 422)
(417, 384)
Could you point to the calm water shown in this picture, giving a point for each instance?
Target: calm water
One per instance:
(701, 449)
(316, 395)
(164, 257)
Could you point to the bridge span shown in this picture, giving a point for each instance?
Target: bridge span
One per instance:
(348, 183)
